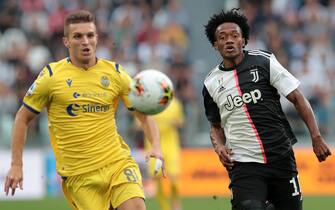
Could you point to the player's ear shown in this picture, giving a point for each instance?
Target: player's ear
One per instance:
(66, 42)
(243, 43)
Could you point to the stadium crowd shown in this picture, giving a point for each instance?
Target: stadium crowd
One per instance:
(142, 34)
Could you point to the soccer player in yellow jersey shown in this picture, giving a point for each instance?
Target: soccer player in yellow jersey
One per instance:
(81, 95)
(169, 122)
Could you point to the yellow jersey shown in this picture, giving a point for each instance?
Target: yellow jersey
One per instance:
(168, 122)
(81, 106)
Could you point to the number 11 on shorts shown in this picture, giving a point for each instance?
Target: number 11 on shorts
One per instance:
(296, 185)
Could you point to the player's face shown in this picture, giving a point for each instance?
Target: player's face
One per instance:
(82, 41)
(229, 41)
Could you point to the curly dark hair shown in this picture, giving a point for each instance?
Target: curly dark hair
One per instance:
(231, 16)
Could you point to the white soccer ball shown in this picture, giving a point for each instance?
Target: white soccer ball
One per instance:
(151, 91)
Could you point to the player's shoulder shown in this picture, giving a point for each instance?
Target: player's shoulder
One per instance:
(112, 65)
(212, 73)
(52, 68)
(259, 53)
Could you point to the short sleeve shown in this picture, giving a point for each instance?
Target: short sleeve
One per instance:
(125, 80)
(280, 78)
(211, 109)
(37, 96)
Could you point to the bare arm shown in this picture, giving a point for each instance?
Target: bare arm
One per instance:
(20, 127)
(305, 111)
(151, 131)
(217, 136)
(218, 141)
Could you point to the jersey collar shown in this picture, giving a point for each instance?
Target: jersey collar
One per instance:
(222, 68)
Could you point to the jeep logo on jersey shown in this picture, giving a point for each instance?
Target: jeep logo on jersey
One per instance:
(238, 101)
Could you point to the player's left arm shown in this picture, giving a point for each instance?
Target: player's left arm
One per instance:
(305, 111)
(151, 131)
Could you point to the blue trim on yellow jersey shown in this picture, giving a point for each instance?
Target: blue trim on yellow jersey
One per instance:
(117, 67)
(30, 108)
(50, 70)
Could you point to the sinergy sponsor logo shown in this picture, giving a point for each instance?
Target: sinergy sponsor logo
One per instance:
(74, 109)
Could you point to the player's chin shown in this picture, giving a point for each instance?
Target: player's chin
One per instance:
(230, 56)
(86, 59)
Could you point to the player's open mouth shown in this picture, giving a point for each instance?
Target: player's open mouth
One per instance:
(229, 49)
(86, 51)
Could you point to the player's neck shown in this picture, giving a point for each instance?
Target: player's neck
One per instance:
(232, 63)
(82, 65)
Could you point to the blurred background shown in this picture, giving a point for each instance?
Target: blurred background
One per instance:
(168, 35)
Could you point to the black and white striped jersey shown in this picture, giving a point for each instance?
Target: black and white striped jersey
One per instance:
(245, 99)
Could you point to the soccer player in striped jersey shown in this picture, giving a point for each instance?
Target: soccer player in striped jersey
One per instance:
(249, 130)
(81, 94)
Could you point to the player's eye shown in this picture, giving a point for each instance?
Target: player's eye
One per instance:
(222, 37)
(77, 36)
(90, 35)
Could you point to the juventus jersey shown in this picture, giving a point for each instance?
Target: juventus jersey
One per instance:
(245, 100)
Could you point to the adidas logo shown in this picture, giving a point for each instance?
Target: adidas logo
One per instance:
(221, 89)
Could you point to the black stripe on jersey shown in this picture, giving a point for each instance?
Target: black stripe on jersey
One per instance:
(50, 70)
(30, 108)
(211, 108)
(117, 67)
(265, 114)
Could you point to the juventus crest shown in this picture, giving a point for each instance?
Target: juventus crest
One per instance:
(254, 73)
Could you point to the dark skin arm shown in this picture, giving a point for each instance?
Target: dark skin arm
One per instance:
(305, 111)
(218, 141)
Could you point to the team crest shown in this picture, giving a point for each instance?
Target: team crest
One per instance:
(105, 81)
(254, 73)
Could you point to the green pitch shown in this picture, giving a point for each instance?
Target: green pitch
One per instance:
(310, 203)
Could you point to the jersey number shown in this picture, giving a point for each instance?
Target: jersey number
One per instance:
(296, 186)
(130, 174)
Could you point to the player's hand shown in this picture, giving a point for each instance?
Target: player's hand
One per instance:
(320, 148)
(14, 179)
(159, 161)
(225, 157)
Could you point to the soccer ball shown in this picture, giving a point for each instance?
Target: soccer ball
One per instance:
(151, 91)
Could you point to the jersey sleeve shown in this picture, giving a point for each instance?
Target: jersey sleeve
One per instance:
(280, 78)
(211, 109)
(125, 80)
(37, 96)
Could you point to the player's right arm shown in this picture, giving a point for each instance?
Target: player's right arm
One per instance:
(14, 176)
(35, 99)
(218, 141)
(216, 131)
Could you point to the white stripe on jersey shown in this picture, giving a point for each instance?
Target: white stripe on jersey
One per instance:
(239, 131)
